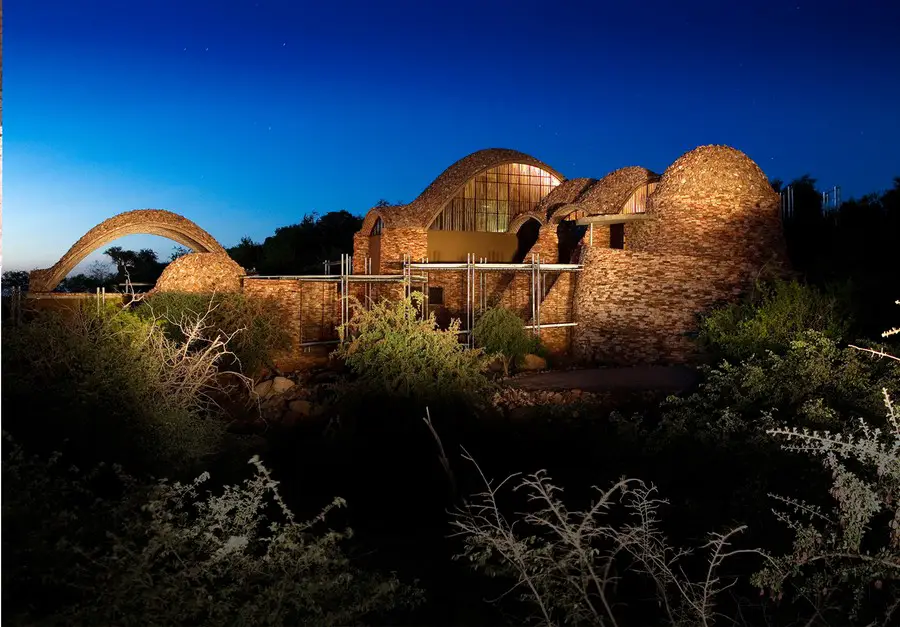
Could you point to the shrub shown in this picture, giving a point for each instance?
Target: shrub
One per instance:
(571, 565)
(166, 554)
(851, 554)
(811, 385)
(770, 318)
(114, 382)
(394, 350)
(253, 324)
(501, 332)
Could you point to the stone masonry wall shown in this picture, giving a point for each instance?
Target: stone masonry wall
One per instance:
(547, 245)
(201, 273)
(310, 311)
(634, 307)
(396, 242)
(713, 201)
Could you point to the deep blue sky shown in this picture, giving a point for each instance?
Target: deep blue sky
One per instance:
(244, 115)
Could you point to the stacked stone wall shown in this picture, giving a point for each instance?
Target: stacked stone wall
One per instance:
(397, 242)
(634, 307)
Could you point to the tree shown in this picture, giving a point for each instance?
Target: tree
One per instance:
(247, 254)
(100, 273)
(137, 267)
(301, 248)
(14, 279)
(178, 251)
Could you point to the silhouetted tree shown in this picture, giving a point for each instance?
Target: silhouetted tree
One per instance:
(138, 267)
(247, 254)
(178, 251)
(14, 278)
(300, 248)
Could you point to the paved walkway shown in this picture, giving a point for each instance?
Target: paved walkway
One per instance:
(604, 379)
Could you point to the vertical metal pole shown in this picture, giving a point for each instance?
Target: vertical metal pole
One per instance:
(540, 290)
(468, 297)
(533, 300)
(592, 235)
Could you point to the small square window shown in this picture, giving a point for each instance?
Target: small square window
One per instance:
(435, 295)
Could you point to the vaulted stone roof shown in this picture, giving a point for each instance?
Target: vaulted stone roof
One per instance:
(423, 210)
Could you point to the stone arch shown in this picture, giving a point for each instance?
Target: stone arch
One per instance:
(137, 222)
(517, 222)
(562, 212)
(527, 228)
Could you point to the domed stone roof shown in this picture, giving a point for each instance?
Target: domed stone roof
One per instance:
(713, 201)
(201, 273)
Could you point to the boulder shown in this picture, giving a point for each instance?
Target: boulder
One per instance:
(263, 388)
(281, 385)
(301, 407)
(533, 362)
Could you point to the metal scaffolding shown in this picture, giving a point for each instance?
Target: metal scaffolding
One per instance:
(476, 285)
(418, 272)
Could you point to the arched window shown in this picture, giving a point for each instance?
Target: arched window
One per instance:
(491, 200)
(376, 228)
(637, 202)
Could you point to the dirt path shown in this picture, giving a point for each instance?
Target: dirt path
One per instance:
(604, 379)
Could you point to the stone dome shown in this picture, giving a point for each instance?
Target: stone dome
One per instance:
(714, 201)
(201, 273)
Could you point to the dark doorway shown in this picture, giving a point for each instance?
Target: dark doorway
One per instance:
(617, 236)
(527, 235)
(568, 234)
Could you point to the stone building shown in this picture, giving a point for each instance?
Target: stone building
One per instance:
(654, 251)
(611, 271)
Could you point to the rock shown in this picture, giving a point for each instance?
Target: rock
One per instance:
(533, 362)
(300, 407)
(281, 385)
(263, 389)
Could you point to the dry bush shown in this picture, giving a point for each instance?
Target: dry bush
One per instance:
(114, 383)
(569, 564)
(102, 548)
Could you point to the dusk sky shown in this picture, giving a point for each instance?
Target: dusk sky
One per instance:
(245, 115)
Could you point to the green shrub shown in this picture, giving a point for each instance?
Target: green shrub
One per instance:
(501, 332)
(771, 317)
(253, 324)
(101, 548)
(393, 350)
(111, 381)
(813, 384)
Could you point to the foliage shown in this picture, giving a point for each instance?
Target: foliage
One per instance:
(853, 244)
(393, 349)
(126, 553)
(142, 266)
(300, 248)
(770, 318)
(253, 324)
(501, 332)
(853, 550)
(112, 381)
(570, 564)
(14, 279)
(811, 385)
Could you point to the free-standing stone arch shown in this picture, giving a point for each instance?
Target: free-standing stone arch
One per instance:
(138, 222)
